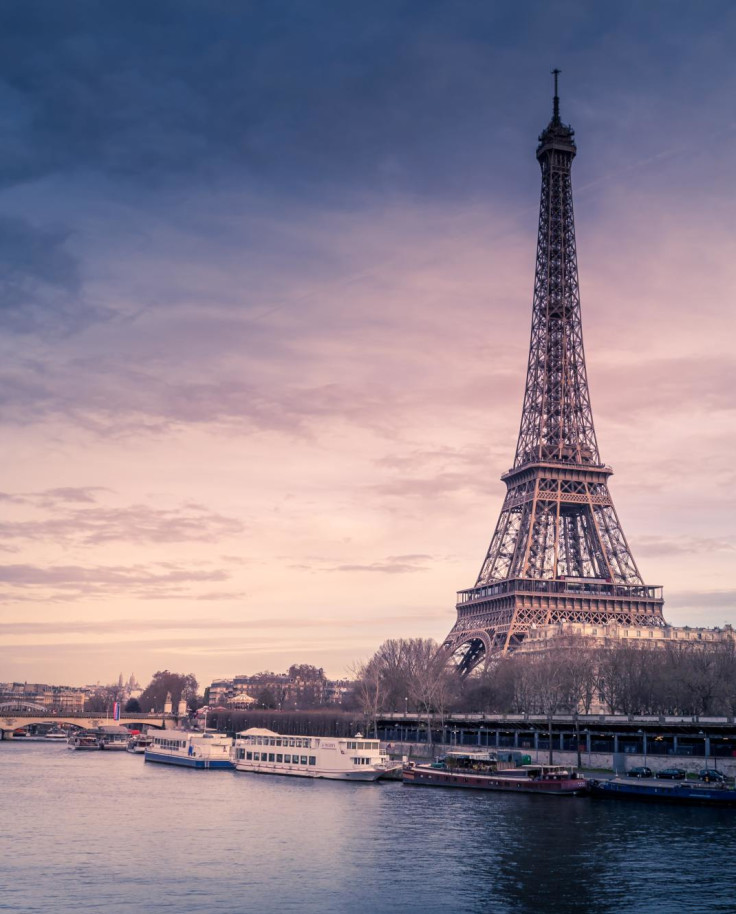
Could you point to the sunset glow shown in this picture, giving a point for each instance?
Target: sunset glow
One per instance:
(264, 318)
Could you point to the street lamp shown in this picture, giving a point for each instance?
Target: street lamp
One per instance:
(577, 739)
(705, 749)
(644, 745)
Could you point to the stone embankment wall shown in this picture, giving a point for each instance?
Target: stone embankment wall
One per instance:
(594, 760)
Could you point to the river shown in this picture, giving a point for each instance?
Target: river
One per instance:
(104, 831)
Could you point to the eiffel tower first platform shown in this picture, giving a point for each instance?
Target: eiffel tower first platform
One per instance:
(558, 552)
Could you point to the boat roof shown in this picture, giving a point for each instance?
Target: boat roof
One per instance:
(258, 731)
(480, 755)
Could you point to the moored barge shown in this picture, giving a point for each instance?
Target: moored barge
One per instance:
(657, 791)
(475, 773)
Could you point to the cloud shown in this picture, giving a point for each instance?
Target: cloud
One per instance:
(51, 497)
(259, 248)
(113, 627)
(75, 581)
(400, 564)
(134, 524)
(87, 494)
(663, 385)
(433, 487)
(306, 100)
(651, 546)
(703, 599)
(155, 94)
(40, 282)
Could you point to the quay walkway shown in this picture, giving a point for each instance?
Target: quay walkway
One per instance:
(614, 742)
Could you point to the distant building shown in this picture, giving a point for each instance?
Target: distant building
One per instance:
(303, 688)
(543, 638)
(574, 636)
(68, 699)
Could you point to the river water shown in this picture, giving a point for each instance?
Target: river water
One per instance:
(104, 831)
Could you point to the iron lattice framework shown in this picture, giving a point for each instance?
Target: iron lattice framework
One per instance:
(558, 552)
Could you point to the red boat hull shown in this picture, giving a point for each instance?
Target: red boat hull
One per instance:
(437, 777)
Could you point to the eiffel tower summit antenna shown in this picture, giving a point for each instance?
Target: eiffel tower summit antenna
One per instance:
(558, 553)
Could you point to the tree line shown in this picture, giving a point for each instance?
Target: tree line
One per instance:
(411, 675)
(180, 686)
(574, 677)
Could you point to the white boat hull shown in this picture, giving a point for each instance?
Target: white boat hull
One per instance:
(287, 770)
(190, 750)
(261, 751)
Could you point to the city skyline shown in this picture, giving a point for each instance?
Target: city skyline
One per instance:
(266, 305)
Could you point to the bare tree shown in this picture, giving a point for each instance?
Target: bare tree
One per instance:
(427, 678)
(369, 692)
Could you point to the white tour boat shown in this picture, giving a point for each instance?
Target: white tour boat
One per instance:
(139, 742)
(190, 750)
(266, 752)
(83, 739)
(113, 737)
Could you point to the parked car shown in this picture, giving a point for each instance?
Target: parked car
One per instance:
(711, 774)
(672, 774)
(641, 771)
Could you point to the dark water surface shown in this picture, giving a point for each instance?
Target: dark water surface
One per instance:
(102, 831)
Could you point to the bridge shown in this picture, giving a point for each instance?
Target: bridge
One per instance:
(15, 716)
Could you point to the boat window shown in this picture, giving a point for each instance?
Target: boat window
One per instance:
(256, 756)
(287, 759)
(278, 742)
(249, 756)
(271, 757)
(279, 757)
(303, 760)
(312, 759)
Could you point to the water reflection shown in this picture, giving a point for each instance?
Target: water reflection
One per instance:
(105, 832)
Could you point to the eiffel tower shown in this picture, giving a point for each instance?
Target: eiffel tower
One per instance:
(558, 552)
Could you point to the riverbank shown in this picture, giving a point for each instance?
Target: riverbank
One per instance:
(588, 761)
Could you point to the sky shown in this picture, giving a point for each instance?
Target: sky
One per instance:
(266, 273)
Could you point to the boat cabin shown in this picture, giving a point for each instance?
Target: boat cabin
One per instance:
(547, 772)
